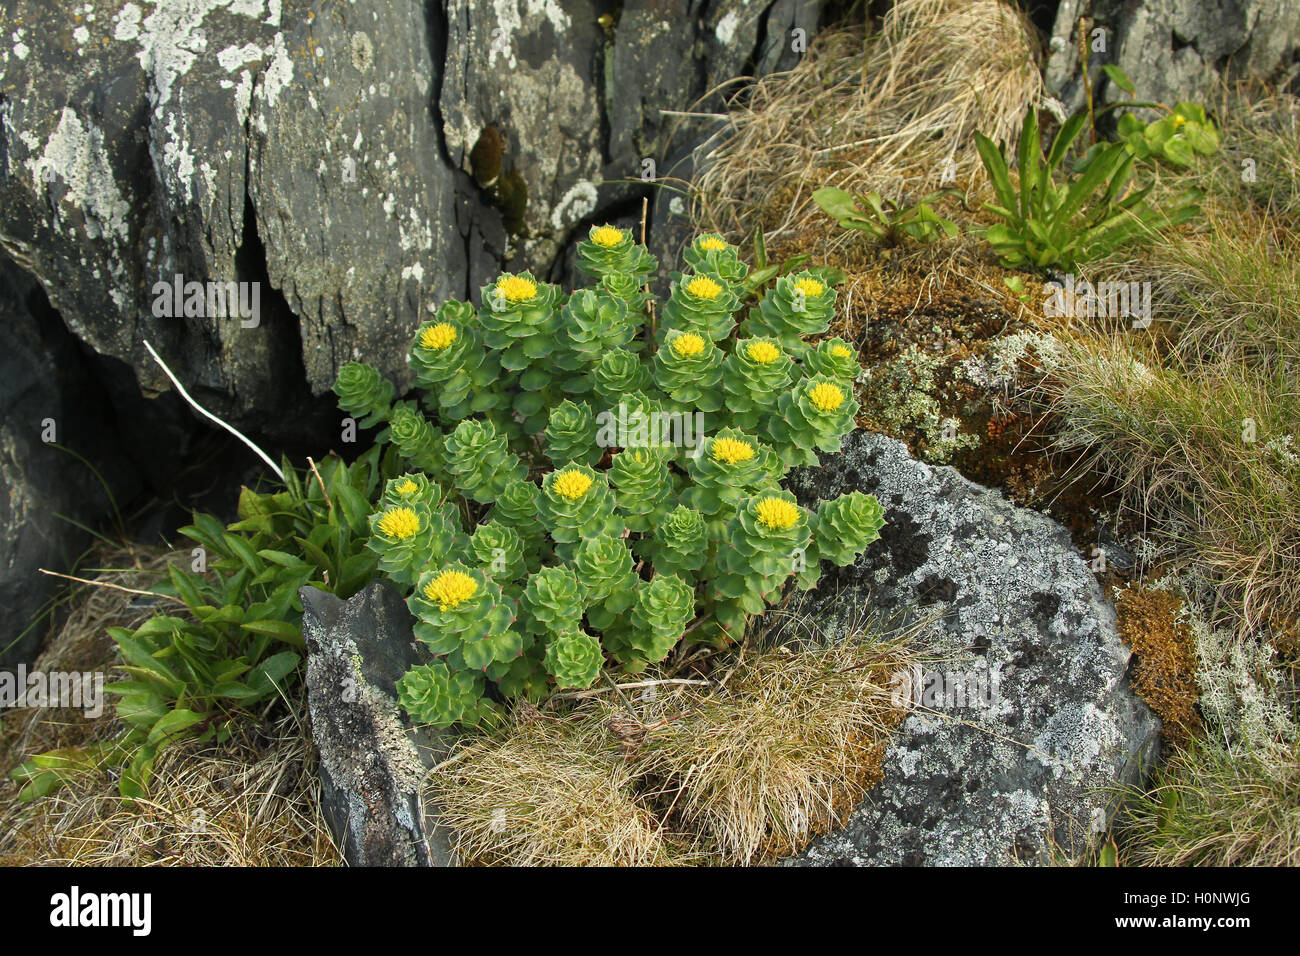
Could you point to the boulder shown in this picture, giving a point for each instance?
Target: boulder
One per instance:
(1174, 50)
(372, 761)
(1028, 724)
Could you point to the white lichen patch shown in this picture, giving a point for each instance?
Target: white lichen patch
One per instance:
(578, 202)
(512, 16)
(75, 156)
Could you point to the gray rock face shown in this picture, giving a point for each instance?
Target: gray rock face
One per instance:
(372, 762)
(1174, 50)
(1028, 721)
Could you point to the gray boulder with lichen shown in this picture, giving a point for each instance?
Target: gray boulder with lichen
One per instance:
(373, 762)
(1028, 724)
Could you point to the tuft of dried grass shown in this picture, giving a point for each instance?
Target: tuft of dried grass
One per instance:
(884, 112)
(676, 773)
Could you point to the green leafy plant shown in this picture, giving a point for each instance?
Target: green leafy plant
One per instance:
(886, 220)
(614, 523)
(1048, 223)
(231, 638)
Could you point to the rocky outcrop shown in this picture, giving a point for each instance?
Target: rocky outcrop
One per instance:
(1027, 724)
(372, 761)
(1171, 49)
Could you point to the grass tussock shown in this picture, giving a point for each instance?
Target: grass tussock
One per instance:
(664, 773)
(1212, 805)
(887, 112)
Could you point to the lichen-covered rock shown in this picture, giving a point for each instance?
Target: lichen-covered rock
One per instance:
(1171, 49)
(373, 763)
(1028, 723)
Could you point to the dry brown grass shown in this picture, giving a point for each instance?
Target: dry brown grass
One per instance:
(732, 772)
(864, 112)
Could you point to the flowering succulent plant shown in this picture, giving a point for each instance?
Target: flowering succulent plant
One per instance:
(588, 487)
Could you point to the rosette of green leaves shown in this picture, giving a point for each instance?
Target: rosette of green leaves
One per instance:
(710, 254)
(805, 420)
(363, 393)
(570, 518)
(479, 462)
(417, 441)
(604, 566)
(574, 658)
(617, 375)
(435, 695)
(702, 303)
(571, 434)
(796, 306)
(460, 374)
(525, 676)
(470, 633)
(689, 376)
(553, 600)
(517, 507)
(635, 422)
(631, 289)
(846, 526)
(663, 607)
(679, 544)
(763, 546)
(522, 326)
(500, 551)
(835, 359)
(753, 379)
(593, 322)
(624, 257)
(722, 473)
(642, 484)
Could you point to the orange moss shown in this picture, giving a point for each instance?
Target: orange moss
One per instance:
(1165, 675)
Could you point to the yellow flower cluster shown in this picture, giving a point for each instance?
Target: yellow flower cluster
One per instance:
(702, 287)
(777, 513)
(687, 344)
(607, 236)
(516, 288)
(438, 336)
(451, 589)
(571, 484)
(399, 523)
(762, 352)
(826, 397)
(731, 450)
(711, 244)
(809, 287)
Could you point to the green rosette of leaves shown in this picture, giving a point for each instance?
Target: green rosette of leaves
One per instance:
(636, 421)
(817, 413)
(704, 304)
(642, 484)
(632, 291)
(712, 255)
(753, 377)
(479, 462)
(409, 489)
(574, 658)
(575, 503)
(796, 306)
(846, 526)
(518, 507)
(731, 466)
(449, 360)
(604, 566)
(363, 393)
(520, 317)
(833, 358)
(617, 375)
(435, 695)
(595, 322)
(571, 434)
(608, 250)
(663, 607)
(765, 542)
(417, 441)
(461, 615)
(688, 368)
(553, 600)
(499, 550)
(679, 544)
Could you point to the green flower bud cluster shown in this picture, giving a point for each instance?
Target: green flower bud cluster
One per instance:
(479, 461)
(616, 375)
(418, 442)
(571, 435)
(664, 606)
(595, 322)
(437, 696)
(846, 526)
(499, 551)
(712, 255)
(642, 484)
(574, 658)
(363, 393)
(518, 507)
(679, 544)
(604, 566)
